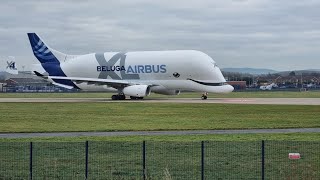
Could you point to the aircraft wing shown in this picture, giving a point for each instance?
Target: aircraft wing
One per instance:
(109, 82)
(97, 81)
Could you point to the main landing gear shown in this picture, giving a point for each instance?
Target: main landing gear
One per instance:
(123, 97)
(204, 96)
(118, 97)
(134, 97)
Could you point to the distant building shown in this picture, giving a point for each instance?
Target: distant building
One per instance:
(26, 85)
(25, 81)
(2, 85)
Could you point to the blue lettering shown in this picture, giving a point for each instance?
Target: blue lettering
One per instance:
(155, 68)
(130, 70)
(112, 68)
(135, 69)
(148, 69)
(163, 68)
(140, 69)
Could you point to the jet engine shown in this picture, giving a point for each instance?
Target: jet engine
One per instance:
(137, 90)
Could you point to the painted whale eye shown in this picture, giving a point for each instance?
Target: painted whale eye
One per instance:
(176, 75)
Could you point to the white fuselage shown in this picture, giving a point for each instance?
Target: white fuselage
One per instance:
(164, 70)
(130, 73)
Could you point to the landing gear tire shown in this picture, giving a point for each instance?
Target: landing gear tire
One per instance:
(118, 97)
(114, 97)
(203, 97)
(134, 97)
(122, 97)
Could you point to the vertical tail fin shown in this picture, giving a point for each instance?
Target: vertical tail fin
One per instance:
(43, 52)
(11, 66)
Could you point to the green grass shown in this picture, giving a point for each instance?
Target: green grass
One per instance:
(248, 94)
(59, 117)
(227, 156)
(181, 160)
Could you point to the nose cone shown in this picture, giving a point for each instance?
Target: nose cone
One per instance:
(229, 88)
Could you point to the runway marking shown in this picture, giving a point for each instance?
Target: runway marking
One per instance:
(239, 100)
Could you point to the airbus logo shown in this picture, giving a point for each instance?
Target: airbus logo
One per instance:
(147, 69)
(11, 65)
(110, 69)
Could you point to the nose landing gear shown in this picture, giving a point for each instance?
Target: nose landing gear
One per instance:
(204, 96)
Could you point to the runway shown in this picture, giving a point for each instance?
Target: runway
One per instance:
(154, 133)
(284, 101)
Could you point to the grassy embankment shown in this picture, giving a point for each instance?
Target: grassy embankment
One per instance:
(117, 158)
(62, 117)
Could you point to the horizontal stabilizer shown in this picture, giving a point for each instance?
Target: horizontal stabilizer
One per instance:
(44, 76)
(62, 85)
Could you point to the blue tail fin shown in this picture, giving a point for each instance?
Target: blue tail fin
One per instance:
(48, 60)
(41, 51)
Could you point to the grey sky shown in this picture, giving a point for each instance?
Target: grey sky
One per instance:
(276, 34)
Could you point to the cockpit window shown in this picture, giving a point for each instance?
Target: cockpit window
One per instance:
(214, 64)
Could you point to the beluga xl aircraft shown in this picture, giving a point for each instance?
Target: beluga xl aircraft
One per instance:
(133, 74)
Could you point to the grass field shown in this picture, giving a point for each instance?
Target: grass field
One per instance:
(229, 156)
(178, 160)
(248, 94)
(59, 117)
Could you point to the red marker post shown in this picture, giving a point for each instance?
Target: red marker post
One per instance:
(294, 156)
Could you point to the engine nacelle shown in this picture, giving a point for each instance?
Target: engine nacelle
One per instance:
(137, 90)
(167, 92)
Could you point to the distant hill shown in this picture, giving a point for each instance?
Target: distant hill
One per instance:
(249, 70)
(299, 72)
(255, 71)
(2, 75)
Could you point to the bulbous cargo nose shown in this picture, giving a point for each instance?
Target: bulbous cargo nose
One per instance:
(229, 88)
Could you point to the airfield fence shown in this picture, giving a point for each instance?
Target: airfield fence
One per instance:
(159, 160)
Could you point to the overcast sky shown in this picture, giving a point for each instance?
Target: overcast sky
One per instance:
(275, 34)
